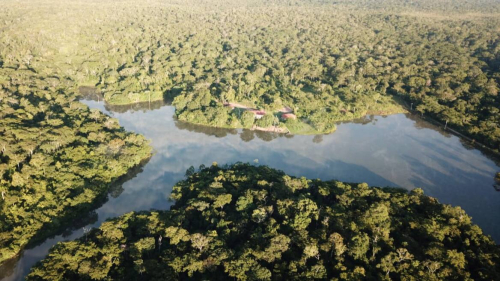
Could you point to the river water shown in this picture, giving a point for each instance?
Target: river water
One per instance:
(398, 150)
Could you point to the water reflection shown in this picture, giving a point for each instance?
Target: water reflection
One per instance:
(398, 150)
(94, 94)
(209, 131)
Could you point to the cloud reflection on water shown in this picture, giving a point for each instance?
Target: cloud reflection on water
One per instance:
(397, 150)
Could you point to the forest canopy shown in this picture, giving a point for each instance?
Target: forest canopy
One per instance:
(254, 223)
(291, 66)
(324, 60)
(57, 157)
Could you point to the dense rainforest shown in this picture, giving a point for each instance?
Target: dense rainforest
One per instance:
(57, 157)
(285, 65)
(322, 61)
(244, 222)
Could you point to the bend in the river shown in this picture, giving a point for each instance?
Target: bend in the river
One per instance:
(397, 150)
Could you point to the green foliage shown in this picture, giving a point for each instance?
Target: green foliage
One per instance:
(57, 158)
(328, 60)
(370, 52)
(266, 121)
(260, 224)
(247, 119)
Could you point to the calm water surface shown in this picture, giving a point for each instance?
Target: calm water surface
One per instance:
(398, 150)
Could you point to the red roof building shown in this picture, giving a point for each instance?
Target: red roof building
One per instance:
(258, 113)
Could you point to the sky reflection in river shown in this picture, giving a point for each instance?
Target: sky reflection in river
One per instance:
(384, 151)
(397, 150)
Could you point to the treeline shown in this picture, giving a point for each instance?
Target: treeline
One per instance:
(57, 157)
(254, 223)
(328, 61)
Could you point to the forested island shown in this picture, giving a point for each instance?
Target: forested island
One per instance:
(244, 222)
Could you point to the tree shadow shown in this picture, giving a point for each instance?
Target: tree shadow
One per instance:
(133, 107)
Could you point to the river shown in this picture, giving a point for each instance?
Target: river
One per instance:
(397, 150)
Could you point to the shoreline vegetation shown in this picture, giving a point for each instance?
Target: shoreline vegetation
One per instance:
(271, 54)
(320, 62)
(58, 158)
(282, 120)
(445, 64)
(246, 222)
(59, 163)
(397, 107)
